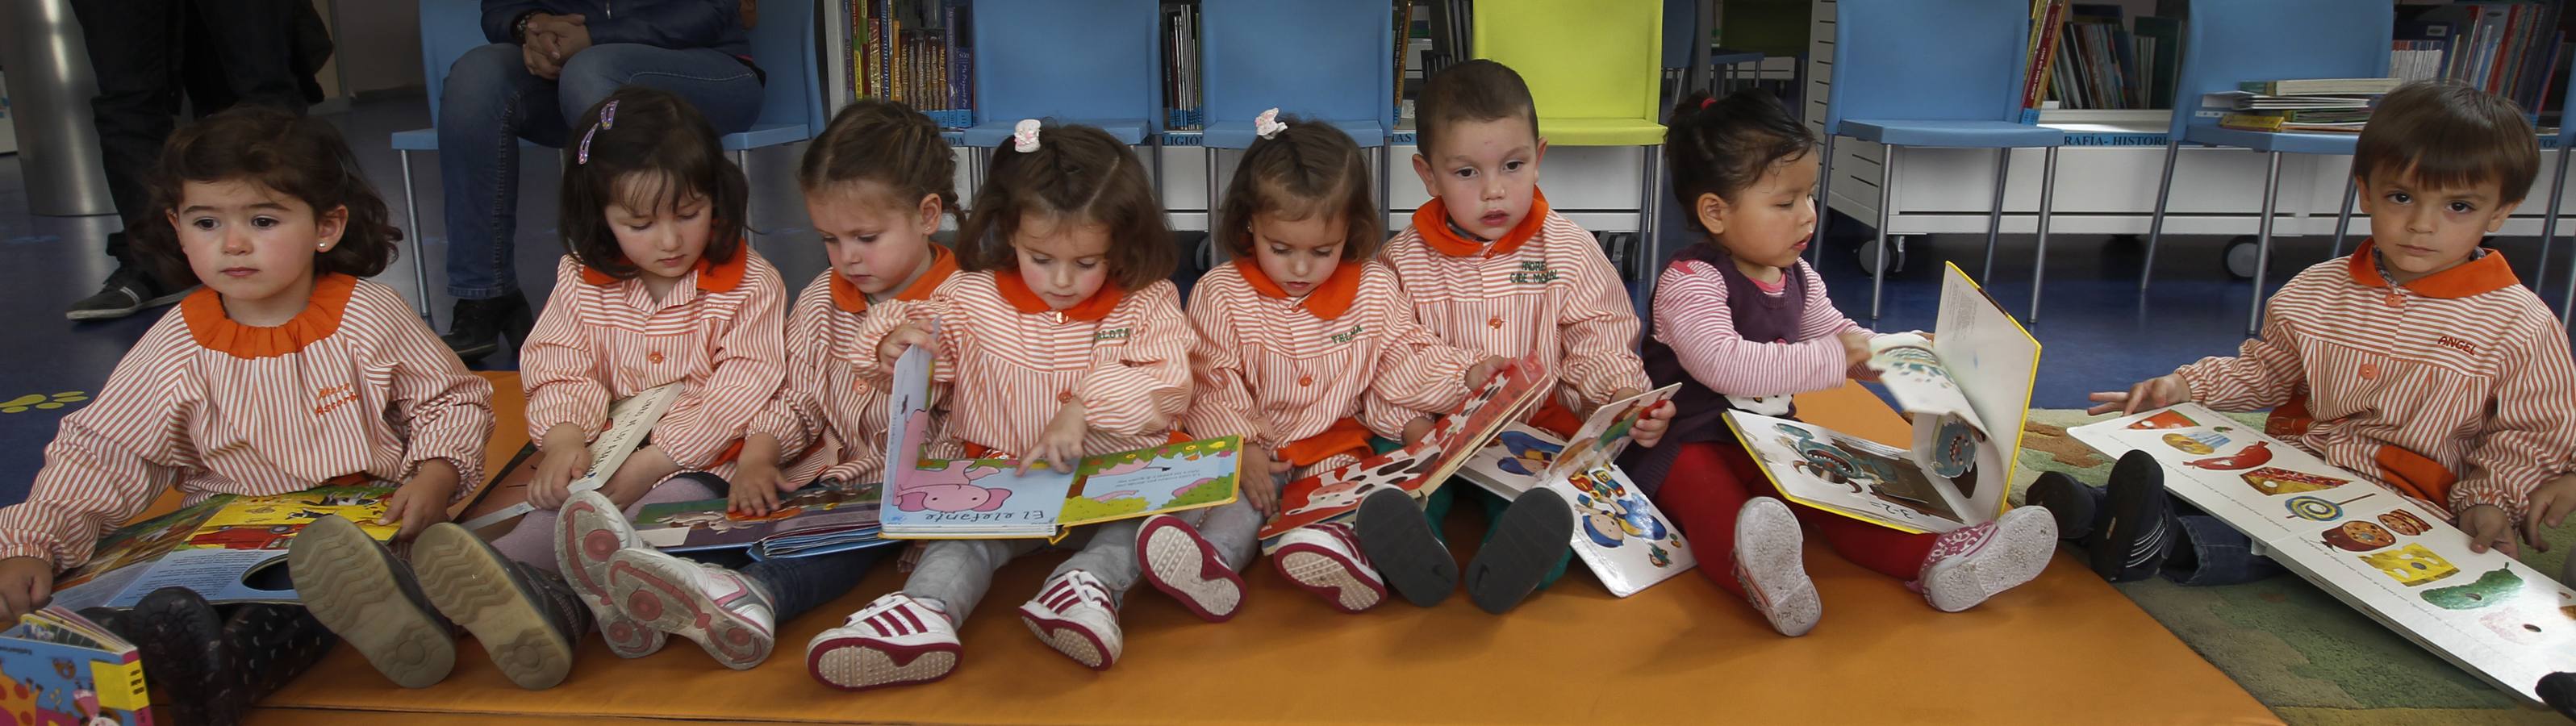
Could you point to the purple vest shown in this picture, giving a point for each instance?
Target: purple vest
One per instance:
(1699, 413)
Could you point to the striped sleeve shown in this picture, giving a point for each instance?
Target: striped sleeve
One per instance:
(2530, 434)
(1221, 403)
(1144, 389)
(1415, 372)
(110, 460)
(793, 417)
(444, 411)
(556, 365)
(1597, 330)
(749, 366)
(1692, 315)
(2263, 374)
(933, 315)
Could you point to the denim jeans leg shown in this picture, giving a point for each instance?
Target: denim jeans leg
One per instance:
(800, 584)
(2220, 554)
(719, 86)
(489, 102)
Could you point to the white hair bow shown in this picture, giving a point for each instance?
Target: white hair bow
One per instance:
(1267, 124)
(1024, 136)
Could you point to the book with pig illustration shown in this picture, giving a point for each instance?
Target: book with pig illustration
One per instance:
(1421, 468)
(1626, 541)
(988, 499)
(1967, 387)
(2390, 556)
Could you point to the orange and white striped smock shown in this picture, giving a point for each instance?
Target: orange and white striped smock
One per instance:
(602, 339)
(354, 386)
(830, 421)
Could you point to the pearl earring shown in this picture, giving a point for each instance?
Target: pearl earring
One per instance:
(324, 247)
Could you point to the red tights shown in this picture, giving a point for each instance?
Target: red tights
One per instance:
(1709, 484)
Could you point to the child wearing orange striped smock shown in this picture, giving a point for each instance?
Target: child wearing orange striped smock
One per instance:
(1066, 302)
(1306, 349)
(286, 370)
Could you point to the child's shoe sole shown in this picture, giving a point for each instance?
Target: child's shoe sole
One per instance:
(348, 585)
(655, 592)
(592, 530)
(859, 664)
(1328, 575)
(1771, 563)
(1073, 639)
(2016, 552)
(1528, 540)
(1399, 541)
(472, 586)
(1182, 564)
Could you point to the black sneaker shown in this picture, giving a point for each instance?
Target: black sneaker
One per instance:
(2072, 502)
(527, 619)
(479, 326)
(1399, 543)
(2559, 691)
(1528, 540)
(127, 292)
(357, 589)
(2138, 527)
(268, 645)
(180, 639)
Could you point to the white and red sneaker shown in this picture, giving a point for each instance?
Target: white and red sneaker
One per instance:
(1182, 564)
(1325, 559)
(1771, 563)
(896, 640)
(589, 530)
(1074, 614)
(727, 614)
(1970, 564)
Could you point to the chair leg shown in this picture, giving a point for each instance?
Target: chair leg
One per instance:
(2343, 214)
(2263, 238)
(1878, 274)
(1824, 202)
(1649, 247)
(2156, 223)
(420, 247)
(1995, 215)
(1209, 252)
(751, 201)
(2549, 227)
(1385, 180)
(2039, 263)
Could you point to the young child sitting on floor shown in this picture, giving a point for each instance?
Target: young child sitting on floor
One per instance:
(2418, 362)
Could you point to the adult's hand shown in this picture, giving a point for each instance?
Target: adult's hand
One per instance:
(570, 34)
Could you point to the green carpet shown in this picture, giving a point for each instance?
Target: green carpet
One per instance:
(2296, 648)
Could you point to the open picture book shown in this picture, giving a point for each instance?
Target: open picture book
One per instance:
(629, 421)
(229, 548)
(1967, 388)
(814, 520)
(990, 499)
(1420, 468)
(2385, 554)
(65, 669)
(1626, 541)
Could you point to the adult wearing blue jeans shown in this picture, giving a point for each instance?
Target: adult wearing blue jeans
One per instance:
(550, 60)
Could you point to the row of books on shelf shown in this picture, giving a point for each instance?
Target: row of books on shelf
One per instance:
(919, 52)
(2511, 49)
(2315, 105)
(1181, 90)
(2087, 56)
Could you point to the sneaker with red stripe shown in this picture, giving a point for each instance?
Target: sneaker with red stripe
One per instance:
(1325, 559)
(726, 613)
(895, 641)
(589, 530)
(1074, 614)
(1182, 564)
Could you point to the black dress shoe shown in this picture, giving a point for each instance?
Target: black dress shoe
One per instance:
(480, 326)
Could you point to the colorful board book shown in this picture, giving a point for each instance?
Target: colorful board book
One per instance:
(990, 499)
(815, 520)
(1420, 468)
(628, 422)
(1620, 534)
(1968, 386)
(2389, 556)
(228, 548)
(57, 667)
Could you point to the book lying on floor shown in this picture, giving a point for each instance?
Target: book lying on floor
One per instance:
(815, 520)
(990, 499)
(628, 422)
(2395, 559)
(61, 668)
(1626, 541)
(1418, 469)
(228, 548)
(1967, 387)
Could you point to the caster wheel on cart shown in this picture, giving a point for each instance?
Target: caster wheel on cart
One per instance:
(2240, 257)
(1868, 255)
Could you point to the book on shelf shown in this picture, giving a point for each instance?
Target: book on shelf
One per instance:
(2041, 56)
(1181, 96)
(916, 52)
(2250, 101)
(2285, 124)
(228, 548)
(57, 667)
(2510, 49)
(2095, 64)
(2159, 41)
(2321, 87)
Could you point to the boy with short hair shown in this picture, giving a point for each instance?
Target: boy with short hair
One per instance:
(1491, 269)
(2418, 362)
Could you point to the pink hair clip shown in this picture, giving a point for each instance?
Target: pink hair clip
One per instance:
(1024, 136)
(607, 120)
(1267, 124)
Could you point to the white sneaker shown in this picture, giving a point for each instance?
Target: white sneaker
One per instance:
(1325, 559)
(896, 640)
(589, 531)
(725, 613)
(1182, 564)
(1074, 614)
(1771, 563)
(1970, 564)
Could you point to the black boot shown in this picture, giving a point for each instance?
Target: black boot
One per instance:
(1528, 540)
(1400, 544)
(361, 592)
(2559, 691)
(2138, 528)
(181, 640)
(269, 644)
(480, 325)
(2074, 504)
(527, 619)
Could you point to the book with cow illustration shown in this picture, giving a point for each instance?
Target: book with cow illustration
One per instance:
(1626, 541)
(2390, 556)
(928, 498)
(1967, 389)
(228, 548)
(1420, 468)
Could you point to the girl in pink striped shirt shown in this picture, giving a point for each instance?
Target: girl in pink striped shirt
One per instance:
(285, 371)
(1065, 301)
(1743, 323)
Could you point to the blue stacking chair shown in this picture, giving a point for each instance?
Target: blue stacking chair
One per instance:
(1936, 73)
(2228, 41)
(1091, 62)
(2557, 188)
(791, 104)
(1339, 73)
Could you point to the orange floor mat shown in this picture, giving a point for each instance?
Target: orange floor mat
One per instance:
(2063, 649)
